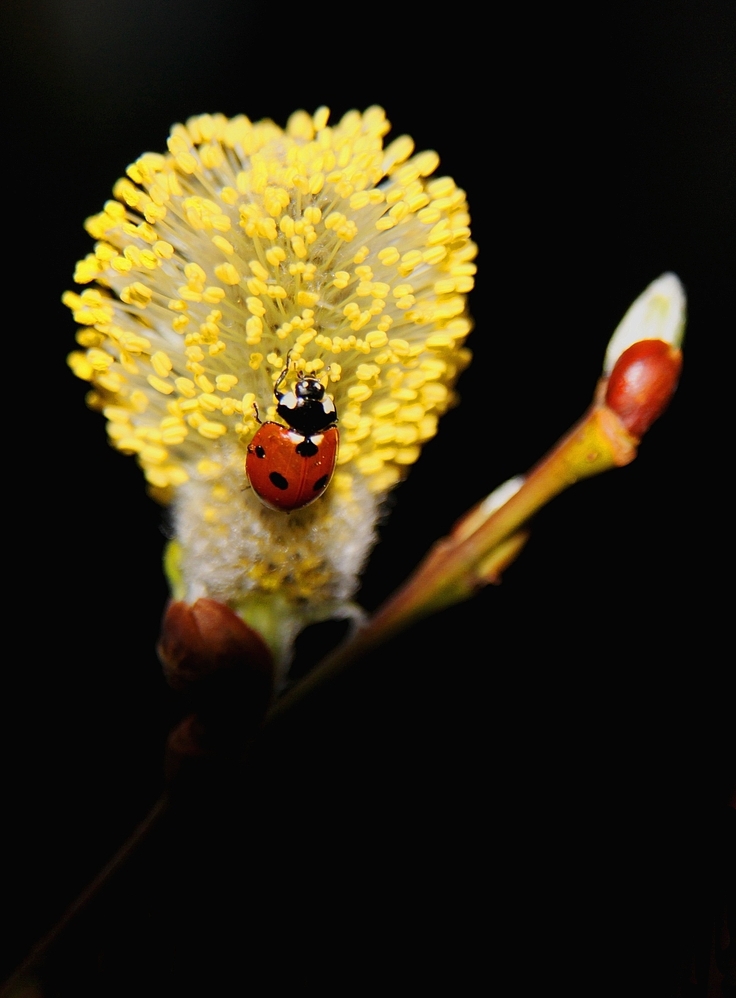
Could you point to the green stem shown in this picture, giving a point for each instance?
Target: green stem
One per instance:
(480, 547)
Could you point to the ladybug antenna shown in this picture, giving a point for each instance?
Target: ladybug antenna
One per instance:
(299, 373)
(284, 372)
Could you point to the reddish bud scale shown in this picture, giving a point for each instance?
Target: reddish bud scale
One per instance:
(205, 638)
(642, 382)
(226, 670)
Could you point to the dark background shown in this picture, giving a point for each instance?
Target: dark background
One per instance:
(545, 806)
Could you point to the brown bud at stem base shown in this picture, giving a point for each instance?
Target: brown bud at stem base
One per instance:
(204, 638)
(223, 665)
(642, 382)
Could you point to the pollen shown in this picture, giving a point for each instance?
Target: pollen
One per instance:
(241, 249)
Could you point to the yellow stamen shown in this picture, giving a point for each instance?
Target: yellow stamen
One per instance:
(244, 244)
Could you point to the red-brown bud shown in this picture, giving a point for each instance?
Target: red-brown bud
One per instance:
(642, 382)
(205, 638)
(227, 671)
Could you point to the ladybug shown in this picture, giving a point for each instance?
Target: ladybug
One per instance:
(290, 466)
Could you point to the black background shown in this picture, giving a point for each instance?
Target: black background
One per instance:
(543, 805)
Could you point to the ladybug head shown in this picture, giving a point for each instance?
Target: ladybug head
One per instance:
(309, 388)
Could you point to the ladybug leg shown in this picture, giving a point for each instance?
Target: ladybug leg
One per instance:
(255, 412)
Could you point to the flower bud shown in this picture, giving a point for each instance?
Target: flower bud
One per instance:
(226, 669)
(206, 638)
(642, 383)
(657, 314)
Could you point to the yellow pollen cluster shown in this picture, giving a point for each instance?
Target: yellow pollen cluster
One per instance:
(246, 243)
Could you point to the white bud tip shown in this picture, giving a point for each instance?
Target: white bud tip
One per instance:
(657, 314)
(501, 495)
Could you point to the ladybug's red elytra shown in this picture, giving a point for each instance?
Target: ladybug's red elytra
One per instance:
(290, 466)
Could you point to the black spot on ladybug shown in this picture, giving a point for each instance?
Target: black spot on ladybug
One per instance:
(321, 483)
(260, 452)
(306, 448)
(278, 480)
